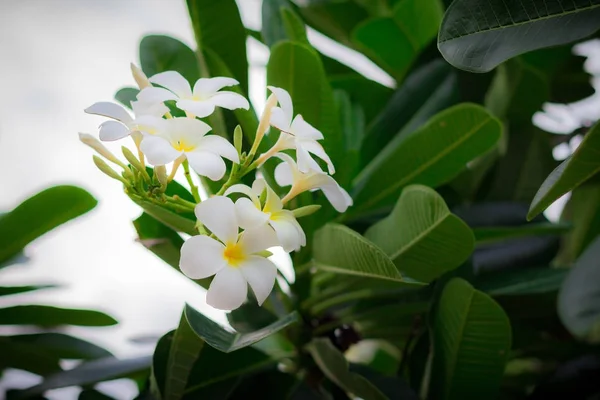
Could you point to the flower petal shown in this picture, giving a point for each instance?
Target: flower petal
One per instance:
(151, 125)
(207, 164)
(141, 108)
(318, 150)
(228, 289)
(302, 129)
(199, 108)
(243, 189)
(248, 215)
(337, 196)
(229, 100)
(110, 110)
(218, 214)
(155, 95)
(173, 81)
(283, 174)
(220, 146)
(288, 231)
(201, 257)
(279, 120)
(258, 239)
(113, 130)
(273, 202)
(206, 87)
(305, 162)
(260, 273)
(189, 130)
(285, 103)
(158, 150)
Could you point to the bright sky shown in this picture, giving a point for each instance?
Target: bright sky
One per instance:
(59, 57)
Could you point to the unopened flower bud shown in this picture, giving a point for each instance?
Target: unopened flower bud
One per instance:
(103, 166)
(132, 159)
(237, 139)
(160, 171)
(306, 210)
(265, 118)
(95, 144)
(140, 78)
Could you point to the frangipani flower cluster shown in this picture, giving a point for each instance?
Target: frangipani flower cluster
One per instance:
(239, 223)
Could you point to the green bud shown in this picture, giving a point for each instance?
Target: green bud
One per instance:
(306, 210)
(135, 162)
(237, 139)
(264, 253)
(103, 166)
(160, 172)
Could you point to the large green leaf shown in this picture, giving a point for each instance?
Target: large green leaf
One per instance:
(422, 236)
(430, 87)
(333, 364)
(171, 219)
(471, 342)
(218, 26)
(583, 212)
(126, 95)
(9, 290)
(298, 69)
(431, 156)
(48, 316)
(521, 281)
(579, 297)
(163, 53)
(27, 358)
(227, 341)
(395, 42)
(478, 35)
(579, 167)
(502, 233)
(339, 249)
(91, 372)
(159, 239)
(40, 214)
(62, 346)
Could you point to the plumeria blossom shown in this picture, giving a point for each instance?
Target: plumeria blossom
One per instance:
(288, 173)
(232, 258)
(296, 134)
(123, 123)
(199, 101)
(178, 138)
(251, 214)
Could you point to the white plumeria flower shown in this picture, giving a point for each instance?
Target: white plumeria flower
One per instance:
(201, 101)
(186, 137)
(297, 134)
(233, 259)
(251, 214)
(287, 173)
(124, 123)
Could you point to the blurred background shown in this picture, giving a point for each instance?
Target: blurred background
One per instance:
(57, 58)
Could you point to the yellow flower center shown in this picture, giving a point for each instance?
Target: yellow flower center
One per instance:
(234, 254)
(182, 145)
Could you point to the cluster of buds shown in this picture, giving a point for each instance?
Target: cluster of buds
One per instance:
(233, 237)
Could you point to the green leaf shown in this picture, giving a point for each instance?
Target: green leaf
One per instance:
(294, 26)
(339, 249)
(426, 91)
(218, 26)
(352, 121)
(471, 343)
(174, 221)
(27, 358)
(163, 53)
(250, 317)
(501, 233)
(336, 19)
(90, 394)
(395, 42)
(227, 341)
(583, 212)
(48, 316)
(579, 167)
(39, 214)
(126, 95)
(91, 372)
(579, 296)
(521, 281)
(421, 235)
(273, 28)
(335, 367)
(9, 290)
(431, 156)
(159, 239)
(62, 346)
(298, 69)
(477, 36)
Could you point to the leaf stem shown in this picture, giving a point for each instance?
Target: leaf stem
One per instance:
(188, 177)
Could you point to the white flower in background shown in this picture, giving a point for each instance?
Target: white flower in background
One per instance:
(232, 258)
(186, 137)
(297, 134)
(287, 173)
(124, 124)
(201, 101)
(251, 214)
